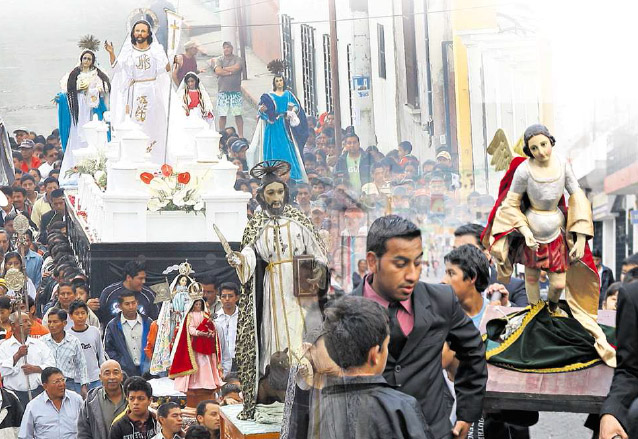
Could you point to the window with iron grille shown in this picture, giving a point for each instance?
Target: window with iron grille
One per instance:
(349, 59)
(409, 44)
(308, 69)
(288, 51)
(381, 43)
(327, 71)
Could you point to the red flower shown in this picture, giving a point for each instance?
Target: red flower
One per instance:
(167, 170)
(146, 177)
(183, 178)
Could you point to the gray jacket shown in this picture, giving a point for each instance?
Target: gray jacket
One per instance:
(91, 421)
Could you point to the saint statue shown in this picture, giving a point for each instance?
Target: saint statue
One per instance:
(84, 93)
(141, 85)
(171, 316)
(282, 129)
(532, 225)
(281, 257)
(196, 357)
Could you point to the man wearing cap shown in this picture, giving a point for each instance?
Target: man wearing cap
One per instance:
(238, 151)
(29, 161)
(444, 164)
(186, 62)
(21, 134)
(229, 100)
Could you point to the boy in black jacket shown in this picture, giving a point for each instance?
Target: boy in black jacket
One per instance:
(360, 403)
(137, 422)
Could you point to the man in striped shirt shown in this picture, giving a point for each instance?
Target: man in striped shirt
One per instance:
(68, 353)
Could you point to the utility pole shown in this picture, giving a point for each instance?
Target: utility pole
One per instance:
(334, 70)
(241, 22)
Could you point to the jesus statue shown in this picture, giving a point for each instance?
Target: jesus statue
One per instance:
(141, 85)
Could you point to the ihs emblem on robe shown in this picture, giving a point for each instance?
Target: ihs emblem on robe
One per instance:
(143, 62)
(142, 108)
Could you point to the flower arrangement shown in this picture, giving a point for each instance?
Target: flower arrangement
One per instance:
(94, 166)
(172, 191)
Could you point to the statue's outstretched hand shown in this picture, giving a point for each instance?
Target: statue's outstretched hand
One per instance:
(235, 259)
(108, 46)
(578, 249)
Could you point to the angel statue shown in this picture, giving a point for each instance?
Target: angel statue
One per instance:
(282, 130)
(171, 315)
(532, 225)
(84, 93)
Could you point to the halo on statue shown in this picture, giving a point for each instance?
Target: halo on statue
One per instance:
(143, 14)
(21, 224)
(277, 167)
(14, 279)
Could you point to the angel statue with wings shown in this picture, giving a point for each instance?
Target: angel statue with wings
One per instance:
(532, 225)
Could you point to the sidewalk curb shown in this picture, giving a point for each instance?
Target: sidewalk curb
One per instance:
(249, 95)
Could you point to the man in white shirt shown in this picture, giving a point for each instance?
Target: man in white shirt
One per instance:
(21, 364)
(226, 318)
(50, 155)
(54, 413)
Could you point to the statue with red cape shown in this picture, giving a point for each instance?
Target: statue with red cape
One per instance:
(531, 224)
(196, 356)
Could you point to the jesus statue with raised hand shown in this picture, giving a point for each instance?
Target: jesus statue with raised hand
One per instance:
(141, 85)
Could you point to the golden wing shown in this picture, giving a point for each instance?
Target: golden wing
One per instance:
(501, 151)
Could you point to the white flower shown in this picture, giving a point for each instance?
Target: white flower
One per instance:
(159, 185)
(199, 205)
(155, 204)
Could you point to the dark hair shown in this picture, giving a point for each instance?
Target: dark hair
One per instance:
(230, 388)
(274, 87)
(78, 304)
(535, 130)
(12, 254)
(474, 230)
(132, 268)
(406, 146)
(352, 326)
(197, 432)
(206, 278)
(613, 290)
(631, 276)
(201, 407)
(64, 284)
(227, 43)
(232, 286)
(57, 193)
(50, 180)
(5, 302)
(351, 134)
(162, 411)
(7, 190)
(20, 189)
(149, 39)
(62, 314)
(473, 263)
(631, 260)
(389, 227)
(231, 376)
(47, 372)
(125, 293)
(27, 177)
(137, 384)
(48, 147)
(37, 171)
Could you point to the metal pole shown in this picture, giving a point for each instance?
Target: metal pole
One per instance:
(242, 38)
(334, 70)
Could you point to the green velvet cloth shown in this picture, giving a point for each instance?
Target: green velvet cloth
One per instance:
(543, 343)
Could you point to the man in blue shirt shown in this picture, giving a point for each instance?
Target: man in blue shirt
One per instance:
(34, 260)
(54, 413)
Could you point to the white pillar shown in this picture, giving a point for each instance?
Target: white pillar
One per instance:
(362, 66)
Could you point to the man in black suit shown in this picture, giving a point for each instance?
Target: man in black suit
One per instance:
(422, 318)
(615, 419)
(511, 294)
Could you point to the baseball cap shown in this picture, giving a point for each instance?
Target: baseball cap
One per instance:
(28, 143)
(190, 44)
(24, 129)
(444, 155)
(239, 144)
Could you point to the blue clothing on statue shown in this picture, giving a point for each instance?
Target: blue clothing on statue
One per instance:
(279, 139)
(64, 117)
